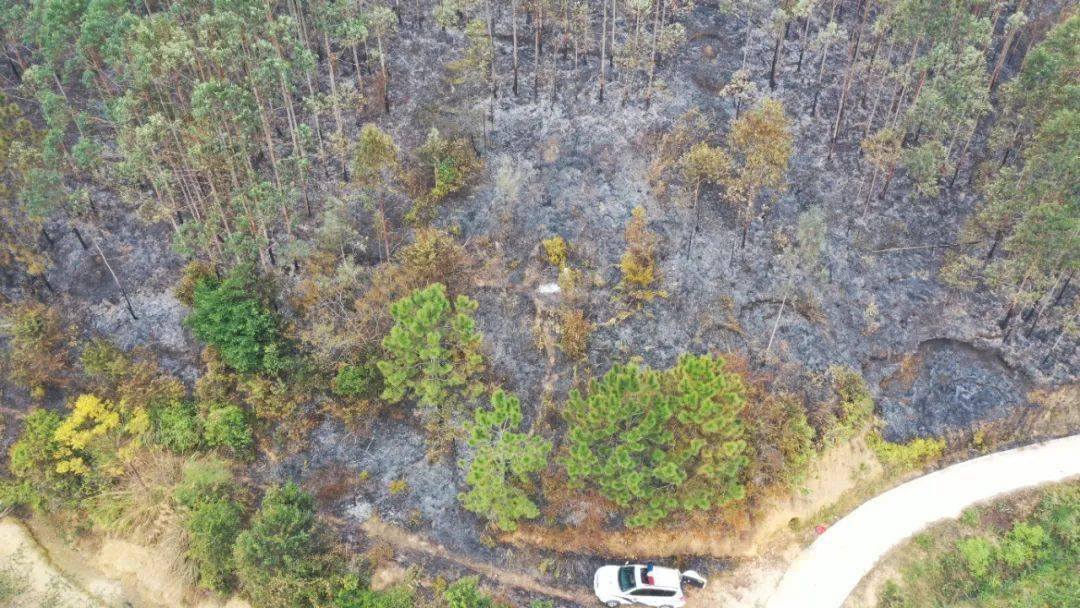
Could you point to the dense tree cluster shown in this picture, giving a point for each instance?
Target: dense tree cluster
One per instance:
(1030, 218)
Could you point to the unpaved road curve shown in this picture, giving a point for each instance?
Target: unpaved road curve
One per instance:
(825, 573)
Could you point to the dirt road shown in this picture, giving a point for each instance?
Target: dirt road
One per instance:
(825, 573)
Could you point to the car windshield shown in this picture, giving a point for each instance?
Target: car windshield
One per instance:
(626, 578)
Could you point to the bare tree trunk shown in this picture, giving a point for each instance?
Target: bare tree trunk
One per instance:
(603, 51)
(538, 32)
(746, 38)
(780, 37)
(748, 217)
(870, 191)
(514, 30)
(79, 236)
(269, 139)
(1006, 46)
(491, 41)
(962, 155)
(611, 50)
(821, 66)
(802, 42)
(330, 61)
(657, 25)
(847, 80)
(385, 76)
(1037, 310)
(776, 324)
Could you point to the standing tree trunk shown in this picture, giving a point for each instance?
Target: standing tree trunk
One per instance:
(603, 51)
(658, 24)
(821, 66)
(491, 40)
(514, 30)
(802, 42)
(847, 80)
(385, 75)
(611, 50)
(780, 37)
(538, 33)
(1005, 47)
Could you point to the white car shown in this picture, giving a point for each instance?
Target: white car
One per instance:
(635, 584)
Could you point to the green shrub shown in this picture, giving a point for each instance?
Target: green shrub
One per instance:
(212, 529)
(103, 359)
(231, 316)
(33, 455)
(19, 493)
(978, 555)
(213, 520)
(354, 593)
(1059, 513)
(453, 164)
(464, 593)
(190, 277)
(777, 425)
(854, 405)
(926, 163)
(502, 463)
(892, 596)
(32, 459)
(1022, 545)
(357, 381)
(226, 425)
(204, 480)
(282, 560)
(177, 427)
(659, 441)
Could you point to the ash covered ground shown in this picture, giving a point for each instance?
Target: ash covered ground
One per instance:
(867, 295)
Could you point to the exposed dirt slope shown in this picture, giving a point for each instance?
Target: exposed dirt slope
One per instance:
(30, 577)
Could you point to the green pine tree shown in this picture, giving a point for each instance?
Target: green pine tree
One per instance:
(432, 354)
(503, 462)
(655, 442)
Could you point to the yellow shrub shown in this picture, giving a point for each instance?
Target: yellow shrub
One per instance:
(90, 419)
(638, 266)
(556, 251)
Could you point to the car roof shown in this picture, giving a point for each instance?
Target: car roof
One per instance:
(663, 578)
